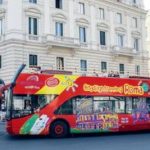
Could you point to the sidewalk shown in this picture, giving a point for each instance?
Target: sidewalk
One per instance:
(2, 116)
(2, 128)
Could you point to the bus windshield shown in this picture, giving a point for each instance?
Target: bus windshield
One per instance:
(24, 105)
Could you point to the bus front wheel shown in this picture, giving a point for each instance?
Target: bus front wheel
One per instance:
(59, 129)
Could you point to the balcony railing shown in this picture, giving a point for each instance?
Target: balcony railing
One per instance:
(136, 5)
(125, 51)
(61, 41)
(33, 37)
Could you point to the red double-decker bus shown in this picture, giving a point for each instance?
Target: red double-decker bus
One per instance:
(42, 104)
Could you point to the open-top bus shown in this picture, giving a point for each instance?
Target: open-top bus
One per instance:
(42, 104)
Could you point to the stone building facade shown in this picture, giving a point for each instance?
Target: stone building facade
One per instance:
(148, 36)
(82, 36)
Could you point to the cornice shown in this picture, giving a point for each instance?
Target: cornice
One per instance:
(122, 5)
(61, 16)
(33, 10)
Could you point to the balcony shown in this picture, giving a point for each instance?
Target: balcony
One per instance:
(33, 37)
(61, 41)
(123, 51)
(130, 3)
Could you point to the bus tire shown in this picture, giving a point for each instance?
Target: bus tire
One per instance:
(59, 129)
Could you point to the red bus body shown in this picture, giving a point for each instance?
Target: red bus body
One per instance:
(68, 87)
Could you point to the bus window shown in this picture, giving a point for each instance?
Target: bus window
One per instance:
(139, 103)
(84, 105)
(21, 106)
(118, 104)
(102, 105)
(148, 104)
(128, 105)
(136, 102)
(77, 105)
(45, 99)
(26, 104)
(65, 109)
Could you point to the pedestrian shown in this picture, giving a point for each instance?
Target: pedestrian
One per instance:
(117, 74)
(111, 74)
(3, 106)
(128, 75)
(95, 74)
(104, 73)
(27, 105)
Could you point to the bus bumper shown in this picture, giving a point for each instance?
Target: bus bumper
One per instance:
(9, 127)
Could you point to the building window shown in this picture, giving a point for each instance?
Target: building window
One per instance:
(103, 66)
(137, 70)
(120, 40)
(60, 63)
(0, 61)
(119, 18)
(33, 1)
(102, 38)
(81, 8)
(121, 68)
(83, 65)
(33, 26)
(59, 29)
(1, 27)
(32, 60)
(1, 1)
(58, 4)
(102, 13)
(136, 44)
(82, 34)
(135, 23)
(134, 1)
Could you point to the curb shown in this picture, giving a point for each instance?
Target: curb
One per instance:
(2, 122)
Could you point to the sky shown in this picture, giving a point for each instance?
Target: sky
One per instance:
(147, 4)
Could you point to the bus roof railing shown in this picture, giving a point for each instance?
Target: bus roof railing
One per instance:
(87, 72)
(139, 77)
(56, 72)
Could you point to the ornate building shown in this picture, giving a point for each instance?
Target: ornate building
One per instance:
(148, 35)
(82, 36)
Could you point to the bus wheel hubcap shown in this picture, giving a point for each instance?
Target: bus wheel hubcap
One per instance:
(58, 129)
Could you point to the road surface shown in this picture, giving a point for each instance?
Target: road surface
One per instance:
(127, 141)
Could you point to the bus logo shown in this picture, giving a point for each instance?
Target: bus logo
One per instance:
(33, 78)
(52, 82)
